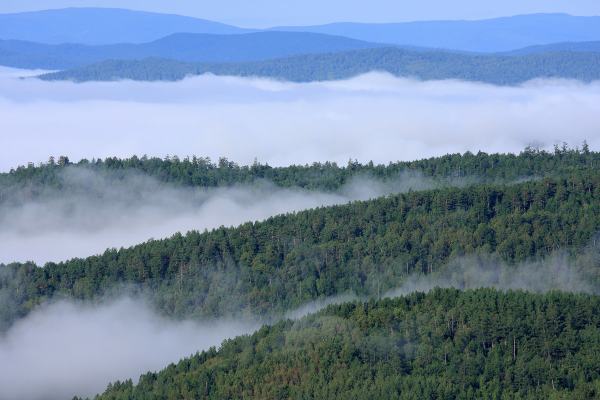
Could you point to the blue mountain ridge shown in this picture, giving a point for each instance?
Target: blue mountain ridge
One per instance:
(186, 47)
(110, 26)
(97, 26)
(490, 35)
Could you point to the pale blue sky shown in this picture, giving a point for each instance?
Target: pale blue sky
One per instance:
(260, 13)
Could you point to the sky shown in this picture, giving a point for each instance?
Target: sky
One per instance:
(262, 13)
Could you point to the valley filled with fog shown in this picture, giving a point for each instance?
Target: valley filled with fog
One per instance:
(372, 117)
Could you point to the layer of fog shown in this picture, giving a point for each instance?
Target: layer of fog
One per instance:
(372, 117)
(66, 349)
(95, 211)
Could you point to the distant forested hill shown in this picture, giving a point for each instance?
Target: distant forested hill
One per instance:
(366, 247)
(559, 48)
(424, 65)
(447, 344)
(184, 47)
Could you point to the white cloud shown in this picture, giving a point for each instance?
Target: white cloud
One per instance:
(372, 117)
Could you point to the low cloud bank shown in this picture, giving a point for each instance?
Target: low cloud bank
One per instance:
(372, 117)
(66, 349)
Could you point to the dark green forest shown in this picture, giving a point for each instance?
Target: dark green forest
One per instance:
(447, 344)
(366, 247)
(424, 65)
(509, 215)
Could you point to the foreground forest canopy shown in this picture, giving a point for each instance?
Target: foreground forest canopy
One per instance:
(365, 247)
(447, 344)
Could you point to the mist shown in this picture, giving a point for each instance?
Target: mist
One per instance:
(96, 210)
(555, 272)
(67, 349)
(371, 117)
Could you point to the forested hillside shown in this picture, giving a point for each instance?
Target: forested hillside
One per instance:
(447, 344)
(423, 65)
(367, 247)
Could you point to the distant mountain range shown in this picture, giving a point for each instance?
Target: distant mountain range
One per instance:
(425, 65)
(186, 47)
(110, 26)
(107, 44)
(491, 35)
(102, 26)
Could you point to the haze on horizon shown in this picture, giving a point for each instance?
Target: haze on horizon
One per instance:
(266, 13)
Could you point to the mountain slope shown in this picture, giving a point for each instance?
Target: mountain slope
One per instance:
(367, 247)
(185, 47)
(102, 26)
(424, 65)
(491, 35)
(447, 344)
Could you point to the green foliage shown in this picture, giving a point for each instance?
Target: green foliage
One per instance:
(479, 344)
(287, 260)
(447, 344)
(424, 65)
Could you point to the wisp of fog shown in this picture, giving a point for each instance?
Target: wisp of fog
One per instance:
(371, 117)
(555, 272)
